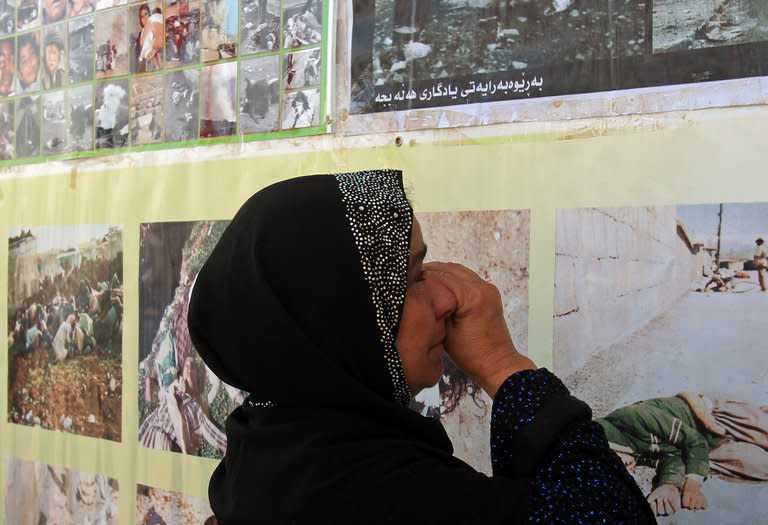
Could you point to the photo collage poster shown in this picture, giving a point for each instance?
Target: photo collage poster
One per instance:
(88, 77)
(659, 326)
(412, 54)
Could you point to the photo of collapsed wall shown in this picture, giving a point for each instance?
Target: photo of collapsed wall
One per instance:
(681, 26)
(182, 404)
(156, 506)
(37, 493)
(65, 311)
(495, 244)
(659, 326)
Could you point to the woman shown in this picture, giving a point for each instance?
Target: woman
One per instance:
(150, 40)
(317, 302)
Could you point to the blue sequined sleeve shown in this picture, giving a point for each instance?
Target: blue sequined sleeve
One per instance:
(541, 432)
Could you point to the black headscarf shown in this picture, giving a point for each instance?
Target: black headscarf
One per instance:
(299, 304)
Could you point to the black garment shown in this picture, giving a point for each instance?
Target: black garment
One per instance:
(299, 304)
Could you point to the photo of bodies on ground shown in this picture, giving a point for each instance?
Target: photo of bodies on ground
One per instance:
(65, 311)
(156, 506)
(659, 324)
(495, 245)
(182, 404)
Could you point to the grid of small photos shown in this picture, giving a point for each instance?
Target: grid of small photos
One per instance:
(78, 77)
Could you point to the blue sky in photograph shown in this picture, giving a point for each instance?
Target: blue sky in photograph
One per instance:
(742, 224)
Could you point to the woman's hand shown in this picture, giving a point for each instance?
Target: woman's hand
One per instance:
(477, 337)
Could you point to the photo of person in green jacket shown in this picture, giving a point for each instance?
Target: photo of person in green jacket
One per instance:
(687, 438)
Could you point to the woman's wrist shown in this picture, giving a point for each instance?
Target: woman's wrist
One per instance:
(498, 372)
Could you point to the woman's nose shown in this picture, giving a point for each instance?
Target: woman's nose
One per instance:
(443, 300)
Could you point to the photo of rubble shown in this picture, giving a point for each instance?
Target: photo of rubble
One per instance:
(495, 244)
(28, 127)
(65, 311)
(37, 493)
(219, 30)
(147, 110)
(182, 32)
(658, 326)
(156, 506)
(259, 26)
(259, 95)
(54, 123)
(681, 26)
(81, 50)
(182, 105)
(27, 14)
(182, 404)
(7, 130)
(80, 118)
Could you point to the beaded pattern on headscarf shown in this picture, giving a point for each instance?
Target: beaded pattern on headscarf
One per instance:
(380, 220)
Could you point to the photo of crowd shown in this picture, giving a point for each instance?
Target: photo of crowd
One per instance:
(65, 311)
(182, 404)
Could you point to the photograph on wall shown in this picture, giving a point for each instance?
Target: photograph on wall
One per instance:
(409, 54)
(37, 493)
(7, 66)
(147, 109)
(54, 10)
(182, 105)
(219, 30)
(494, 244)
(27, 14)
(301, 109)
(80, 7)
(112, 114)
(65, 311)
(146, 38)
(28, 62)
(54, 123)
(80, 118)
(259, 26)
(155, 506)
(259, 94)
(81, 49)
(110, 43)
(27, 127)
(7, 130)
(182, 32)
(301, 69)
(55, 62)
(218, 113)
(302, 22)
(7, 17)
(182, 404)
(659, 326)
